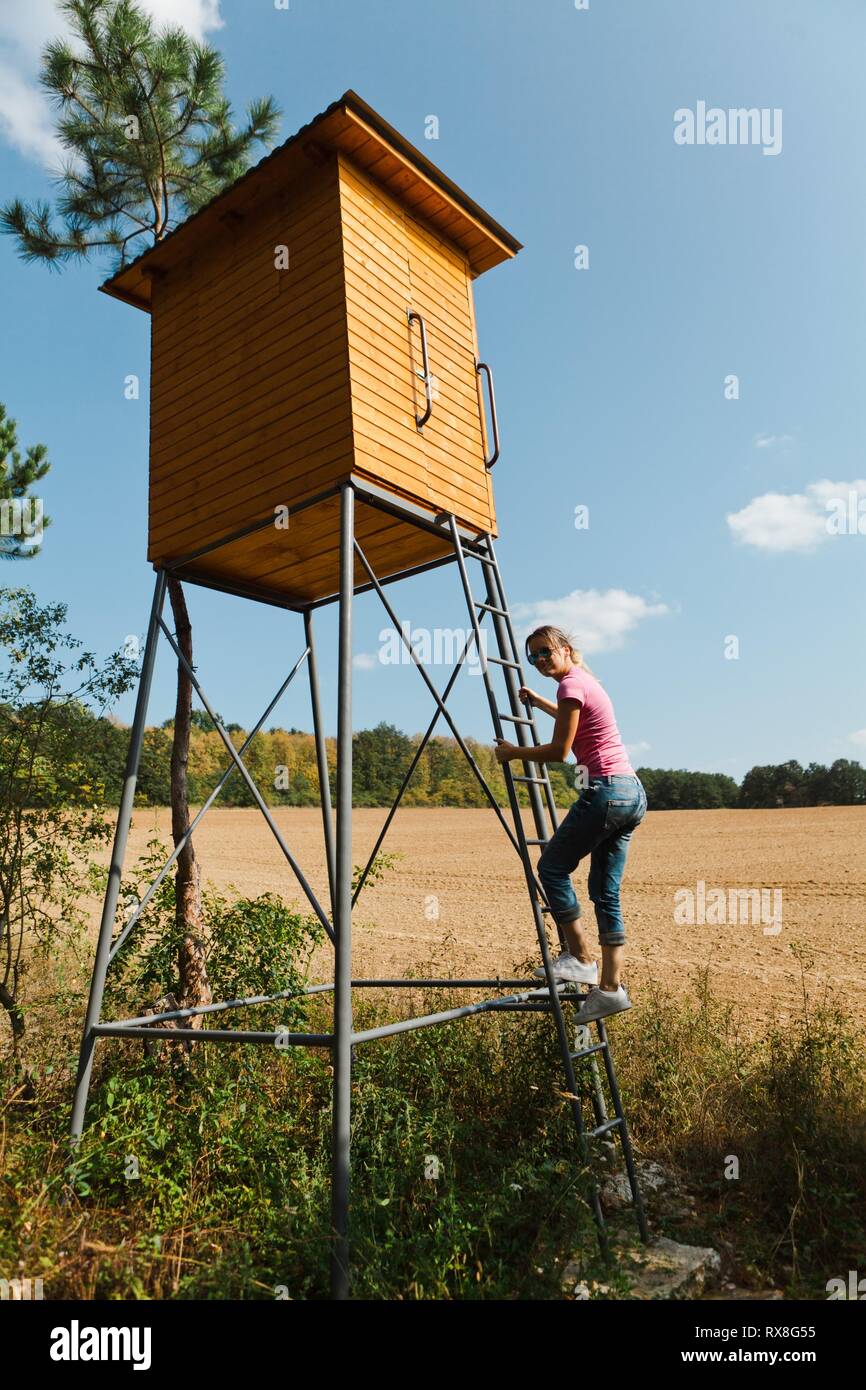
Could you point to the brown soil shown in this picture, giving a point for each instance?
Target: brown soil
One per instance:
(460, 864)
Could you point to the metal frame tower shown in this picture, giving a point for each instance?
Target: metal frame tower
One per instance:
(524, 997)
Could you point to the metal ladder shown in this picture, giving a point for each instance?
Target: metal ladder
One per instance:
(535, 778)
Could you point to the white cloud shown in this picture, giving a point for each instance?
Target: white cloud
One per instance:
(796, 521)
(779, 522)
(635, 749)
(29, 27)
(364, 661)
(26, 117)
(600, 621)
(773, 441)
(197, 17)
(858, 737)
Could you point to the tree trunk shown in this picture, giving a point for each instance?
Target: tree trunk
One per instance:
(194, 986)
(15, 1015)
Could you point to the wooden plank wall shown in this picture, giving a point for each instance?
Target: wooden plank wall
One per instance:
(250, 392)
(392, 262)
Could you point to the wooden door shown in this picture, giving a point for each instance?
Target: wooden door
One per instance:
(394, 265)
(452, 439)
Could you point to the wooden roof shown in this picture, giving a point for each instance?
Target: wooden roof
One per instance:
(349, 125)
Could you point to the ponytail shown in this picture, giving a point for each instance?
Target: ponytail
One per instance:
(557, 638)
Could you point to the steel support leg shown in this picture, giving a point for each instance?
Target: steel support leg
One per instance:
(342, 1053)
(112, 891)
(321, 758)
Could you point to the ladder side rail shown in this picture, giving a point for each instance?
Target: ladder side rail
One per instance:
(467, 752)
(599, 1103)
(493, 704)
(498, 715)
(521, 737)
(556, 1003)
(625, 1138)
(502, 602)
(497, 606)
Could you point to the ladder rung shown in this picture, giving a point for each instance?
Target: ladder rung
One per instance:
(501, 661)
(489, 608)
(586, 1052)
(513, 718)
(603, 1129)
(538, 842)
(485, 559)
(540, 780)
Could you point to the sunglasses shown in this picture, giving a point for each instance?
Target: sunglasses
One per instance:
(541, 655)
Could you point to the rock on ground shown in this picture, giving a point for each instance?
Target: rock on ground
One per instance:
(665, 1269)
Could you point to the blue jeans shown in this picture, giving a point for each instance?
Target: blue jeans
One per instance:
(599, 824)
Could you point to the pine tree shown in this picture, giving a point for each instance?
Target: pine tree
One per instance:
(21, 516)
(151, 138)
(149, 132)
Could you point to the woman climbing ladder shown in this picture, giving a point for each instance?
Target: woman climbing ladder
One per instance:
(599, 824)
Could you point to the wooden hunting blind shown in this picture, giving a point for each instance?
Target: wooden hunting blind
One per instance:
(314, 355)
(313, 324)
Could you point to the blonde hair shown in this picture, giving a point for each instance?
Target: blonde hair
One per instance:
(557, 638)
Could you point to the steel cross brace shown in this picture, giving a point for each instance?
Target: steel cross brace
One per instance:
(206, 807)
(259, 799)
(414, 763)
(440, 701)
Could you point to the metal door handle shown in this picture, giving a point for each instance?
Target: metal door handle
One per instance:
(421, 420)
(483, 367)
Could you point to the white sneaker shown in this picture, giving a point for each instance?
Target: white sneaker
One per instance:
(567, 969)
(599, 1003)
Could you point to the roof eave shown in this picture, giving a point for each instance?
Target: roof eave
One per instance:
(501, 245)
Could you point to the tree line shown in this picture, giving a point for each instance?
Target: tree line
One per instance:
(282, 762)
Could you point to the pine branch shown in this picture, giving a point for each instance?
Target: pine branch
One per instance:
(115, 189)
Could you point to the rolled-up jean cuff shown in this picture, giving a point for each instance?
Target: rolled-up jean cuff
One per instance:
(611, 940)
(562, 919)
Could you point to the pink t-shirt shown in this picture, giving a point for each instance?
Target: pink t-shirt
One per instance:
(597, 745)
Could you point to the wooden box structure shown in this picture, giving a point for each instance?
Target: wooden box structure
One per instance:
(314, 352)
(313, 324)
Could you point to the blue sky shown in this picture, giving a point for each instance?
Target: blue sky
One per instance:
(707, 515)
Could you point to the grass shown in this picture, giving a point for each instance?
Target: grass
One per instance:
(768, 1131)
(212, 1180)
